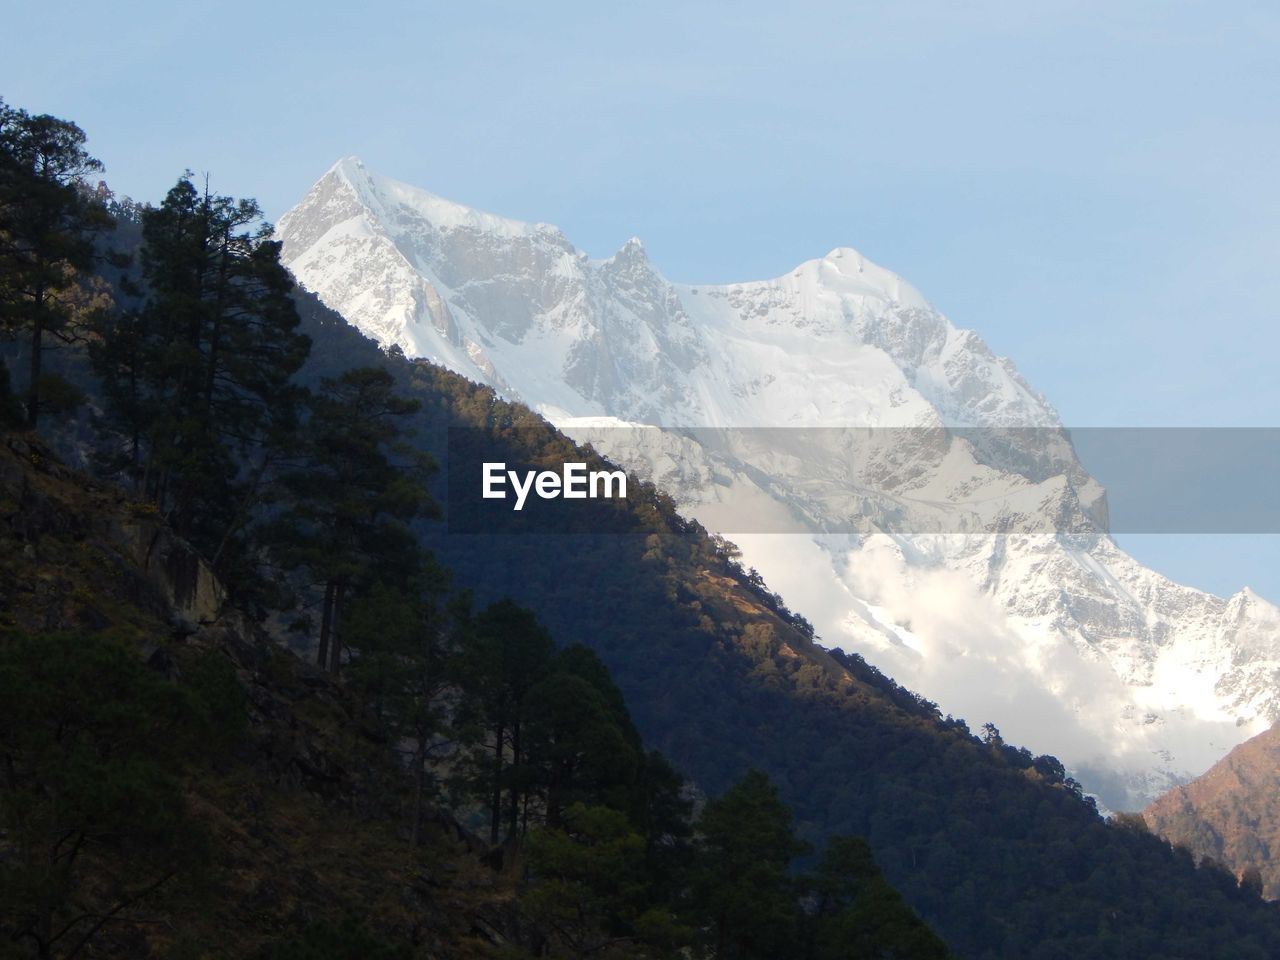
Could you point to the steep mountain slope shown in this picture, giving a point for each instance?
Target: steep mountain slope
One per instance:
(1051, 631)
(992, 846)
(294, 810)
(1230, 814)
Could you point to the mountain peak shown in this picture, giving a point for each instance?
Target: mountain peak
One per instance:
(381, 194)
(836, 342)
(1247, 597)
(853, 268)
(355, 176)
(348, 167)
(631, 252)
(839, 253)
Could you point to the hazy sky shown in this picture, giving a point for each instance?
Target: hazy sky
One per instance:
(1092, 189)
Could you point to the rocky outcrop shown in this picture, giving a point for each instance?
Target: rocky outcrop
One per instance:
(98, 544)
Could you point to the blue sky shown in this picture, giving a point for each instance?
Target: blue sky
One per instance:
(1093, 189)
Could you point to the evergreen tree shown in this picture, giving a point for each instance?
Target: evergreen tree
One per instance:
(200, 376)
(10, 410)
(587, 888)
(858, 916)
(407, 648)
(743, 897)
(607, 827)
(1251, 881)
(664, 819)
(47, 227)
(506, 655)
(352, 496)
(580, 744)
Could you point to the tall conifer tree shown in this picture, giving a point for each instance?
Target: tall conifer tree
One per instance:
(352, 497)
(200, 375)
(48, 222)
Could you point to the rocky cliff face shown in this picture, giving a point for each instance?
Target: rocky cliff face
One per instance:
(125, 553)
(1049, 629)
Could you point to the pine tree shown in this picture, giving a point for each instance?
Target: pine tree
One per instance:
(199, 377)
(48, 223)
(10, 410)
(858, 914)
(579, 743)
(587, 886)
(407, 646)
(506, 655)
(743, 896)
(352, 496)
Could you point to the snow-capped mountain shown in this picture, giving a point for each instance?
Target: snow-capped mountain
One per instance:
(827, 390)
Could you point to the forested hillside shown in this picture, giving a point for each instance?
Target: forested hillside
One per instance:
(1231, 813)
(446, 780)
(297, 475)
(996, 848)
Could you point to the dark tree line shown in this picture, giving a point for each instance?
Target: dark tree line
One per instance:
(544, 749)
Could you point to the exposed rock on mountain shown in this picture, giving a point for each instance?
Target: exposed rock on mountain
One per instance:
(1049, 630)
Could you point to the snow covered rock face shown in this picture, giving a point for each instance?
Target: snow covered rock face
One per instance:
(1050, 631)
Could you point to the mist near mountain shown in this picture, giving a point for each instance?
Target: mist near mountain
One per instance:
(1048, 630)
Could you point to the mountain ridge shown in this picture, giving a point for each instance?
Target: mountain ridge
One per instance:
(996, 848)
(1231, 813)
(1137, 682)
